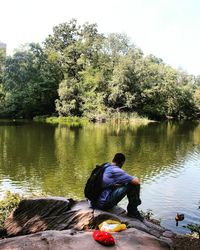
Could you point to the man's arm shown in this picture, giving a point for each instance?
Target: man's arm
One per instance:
(135, 181)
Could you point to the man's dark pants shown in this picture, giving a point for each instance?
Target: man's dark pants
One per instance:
(118, 193)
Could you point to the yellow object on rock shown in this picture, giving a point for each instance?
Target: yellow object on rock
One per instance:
(111, 226)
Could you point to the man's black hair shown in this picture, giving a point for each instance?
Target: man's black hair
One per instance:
(119, 158)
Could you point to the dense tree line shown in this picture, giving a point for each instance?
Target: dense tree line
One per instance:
(79, 72)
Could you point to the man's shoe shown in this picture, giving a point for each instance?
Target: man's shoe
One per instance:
(136, 215)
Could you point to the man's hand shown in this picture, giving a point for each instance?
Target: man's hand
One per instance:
(135, 181)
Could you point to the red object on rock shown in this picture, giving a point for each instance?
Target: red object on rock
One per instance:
(104, 238)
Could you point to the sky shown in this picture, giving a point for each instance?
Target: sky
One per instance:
(168, 29)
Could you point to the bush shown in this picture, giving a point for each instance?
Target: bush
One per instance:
(9, 202)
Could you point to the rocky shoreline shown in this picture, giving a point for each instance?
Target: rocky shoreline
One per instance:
(59, 223)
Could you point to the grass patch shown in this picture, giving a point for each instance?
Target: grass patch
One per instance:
(68, 120)
(129, 118)
(9, 202)
(116, 117)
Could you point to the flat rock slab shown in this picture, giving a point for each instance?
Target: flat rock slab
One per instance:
(52, 213)
(39, 218)
(130, 239)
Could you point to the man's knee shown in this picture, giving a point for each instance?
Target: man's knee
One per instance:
(133, 189)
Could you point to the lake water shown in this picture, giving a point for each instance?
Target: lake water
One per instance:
(56, 160)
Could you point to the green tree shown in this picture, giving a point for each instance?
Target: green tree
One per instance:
(30, 82)
(79, 52)
(167, 93)
(2, 65)
(80, 72)
(2, 61)
(124, 86)
(75, 46)
(70, 98)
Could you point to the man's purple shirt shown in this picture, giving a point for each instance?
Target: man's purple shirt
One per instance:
(113, 175)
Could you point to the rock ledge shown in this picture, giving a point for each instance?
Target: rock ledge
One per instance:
(59, 223)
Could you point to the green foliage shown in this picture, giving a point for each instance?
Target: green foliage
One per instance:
(148, 216)
(2, 97)
(2, 61)
(127, 118)
(70, 98)
(9, 202)
(30, 82)
(80, 72)
(194, 228)
(93, 98)
(124, 85)
(81, 60)
(75, 45)
(2, 92)
(69, 121)
(197, 98)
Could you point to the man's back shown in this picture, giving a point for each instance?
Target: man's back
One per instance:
(114, 175)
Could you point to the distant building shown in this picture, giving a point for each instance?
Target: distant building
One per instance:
(2, 46)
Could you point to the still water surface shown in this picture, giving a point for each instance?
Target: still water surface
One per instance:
(56, 160)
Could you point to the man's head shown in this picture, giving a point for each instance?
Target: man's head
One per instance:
(119, 159)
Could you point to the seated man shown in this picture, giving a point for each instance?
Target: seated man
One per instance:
(116, 185)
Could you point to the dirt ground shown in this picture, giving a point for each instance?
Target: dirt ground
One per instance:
(186, 243)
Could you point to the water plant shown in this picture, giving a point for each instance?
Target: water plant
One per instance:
(68, 120)
(194, 228)
(148, 216)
